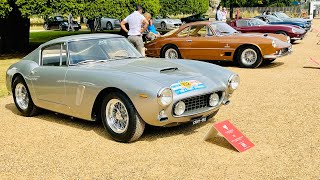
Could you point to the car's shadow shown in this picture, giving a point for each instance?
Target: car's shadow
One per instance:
(232, 64)
(151, 133)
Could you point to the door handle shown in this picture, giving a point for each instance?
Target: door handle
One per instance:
(189, 40)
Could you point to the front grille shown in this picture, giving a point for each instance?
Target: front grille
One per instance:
(196, 102)
(177, 24)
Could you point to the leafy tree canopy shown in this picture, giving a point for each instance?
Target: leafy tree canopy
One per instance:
(173, 7)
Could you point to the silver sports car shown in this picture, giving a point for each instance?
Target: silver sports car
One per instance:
(103, 77)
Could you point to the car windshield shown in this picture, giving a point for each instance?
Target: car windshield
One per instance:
(281, 15)
(94, 50)
(59, 18)
(170, 32)
(257, 22)
(222, 29)
(273, 19)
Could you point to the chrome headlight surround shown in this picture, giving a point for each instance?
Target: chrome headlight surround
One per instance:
(165, 96)
(214, 100)
(179, 108)
(274, 43)
(233, 82)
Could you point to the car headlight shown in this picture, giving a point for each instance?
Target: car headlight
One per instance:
(294, 30)
(179, 108)
(214, 99)
(65, 23)
(234, 82)
(165, 97)
(274, 43)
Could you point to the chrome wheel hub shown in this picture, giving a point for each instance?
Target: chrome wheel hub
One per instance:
(21, 95)
(249, 57)
(117, 116)
(171, 54)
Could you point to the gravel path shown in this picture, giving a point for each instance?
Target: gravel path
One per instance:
(276, 107)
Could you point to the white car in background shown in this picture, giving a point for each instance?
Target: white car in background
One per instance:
(109, 23)
(166, 23)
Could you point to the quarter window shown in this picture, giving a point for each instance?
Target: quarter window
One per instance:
(55, 55)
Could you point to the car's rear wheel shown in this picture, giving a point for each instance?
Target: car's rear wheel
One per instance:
(171, 52)
(163, 26)
(109, 26)
(249, 57)
(22, 98)
(120, 118)
(46, 26)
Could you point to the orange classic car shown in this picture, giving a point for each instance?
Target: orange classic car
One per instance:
(219, 41)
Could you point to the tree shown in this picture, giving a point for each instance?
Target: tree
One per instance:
(173, 7)
(14, 15)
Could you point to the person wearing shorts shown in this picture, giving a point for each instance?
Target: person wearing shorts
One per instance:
(136, 20)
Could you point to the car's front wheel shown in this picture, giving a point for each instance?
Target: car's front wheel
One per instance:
(120, 118)
(22, 98)
(249, 57)
(171, 52)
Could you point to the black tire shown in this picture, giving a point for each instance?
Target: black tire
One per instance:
(46, 26)
(254, 63)
(109, 26)
(170, 47)
(135, 125)
(30, 109)
(282, 32)
(163, 26)
(292, 41)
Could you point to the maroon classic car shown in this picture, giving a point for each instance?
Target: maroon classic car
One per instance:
(257, 25)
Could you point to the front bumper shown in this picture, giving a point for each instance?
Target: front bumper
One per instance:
(298, 37)
(279, 53)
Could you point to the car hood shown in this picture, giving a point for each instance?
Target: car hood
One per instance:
(173, 20)
(166, 72)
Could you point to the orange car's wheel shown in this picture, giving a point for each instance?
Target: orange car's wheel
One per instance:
(249, 57)
(170, 52)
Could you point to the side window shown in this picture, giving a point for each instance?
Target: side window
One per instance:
(184, 32)
(242, 23)
(54, 55)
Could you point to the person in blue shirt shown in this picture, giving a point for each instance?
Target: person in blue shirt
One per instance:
(152, 31)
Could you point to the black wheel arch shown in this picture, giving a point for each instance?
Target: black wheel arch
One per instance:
(235, 54)
(98, 101)
(167, 45)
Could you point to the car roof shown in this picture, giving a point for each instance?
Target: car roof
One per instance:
(82, 37)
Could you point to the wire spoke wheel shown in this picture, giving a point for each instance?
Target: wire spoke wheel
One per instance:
(21, 95)
(249, 57)
(117, 116)
(171, 54)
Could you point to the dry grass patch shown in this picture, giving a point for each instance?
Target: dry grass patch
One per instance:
(5, 62)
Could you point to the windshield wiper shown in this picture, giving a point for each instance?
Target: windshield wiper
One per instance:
(125, 57)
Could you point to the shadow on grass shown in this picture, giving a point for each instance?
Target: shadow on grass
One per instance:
(151, 133)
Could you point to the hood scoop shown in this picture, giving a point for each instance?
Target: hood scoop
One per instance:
(168, 69)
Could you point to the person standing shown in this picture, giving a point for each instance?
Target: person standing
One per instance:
(224, 14)
(135, 21)
(238, 13)
(219, 14)
(70, 22)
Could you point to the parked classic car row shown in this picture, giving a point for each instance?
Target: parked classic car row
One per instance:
(59, 22)
(102, 77)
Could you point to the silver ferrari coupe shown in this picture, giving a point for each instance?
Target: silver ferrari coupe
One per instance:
(103, 77)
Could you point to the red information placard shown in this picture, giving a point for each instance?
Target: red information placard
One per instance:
(233, 135)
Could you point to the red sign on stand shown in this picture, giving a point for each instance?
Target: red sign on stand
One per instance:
(234, 136)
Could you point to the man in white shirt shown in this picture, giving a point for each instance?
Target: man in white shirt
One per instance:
(135, 21)
(70, 22)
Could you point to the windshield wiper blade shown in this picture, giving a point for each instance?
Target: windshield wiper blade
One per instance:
(86, 61)
(127, 57)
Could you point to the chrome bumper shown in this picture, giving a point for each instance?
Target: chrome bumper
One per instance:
(282, 52)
